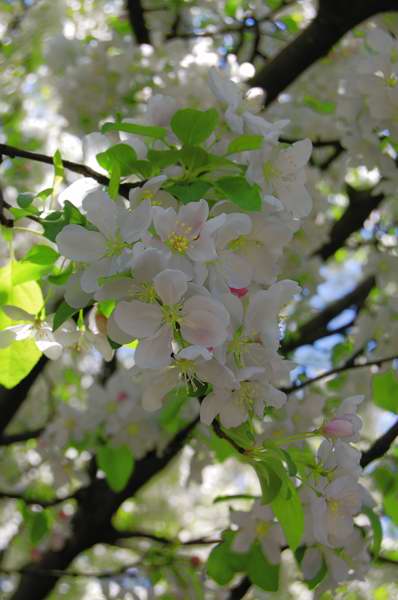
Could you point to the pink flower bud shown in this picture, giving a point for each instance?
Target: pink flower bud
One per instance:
(338, 428)
(238, 292)
(122, 396)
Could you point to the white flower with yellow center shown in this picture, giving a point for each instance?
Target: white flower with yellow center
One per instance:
(198, 320)
(188, 232)
(108, 250)
(258, 524)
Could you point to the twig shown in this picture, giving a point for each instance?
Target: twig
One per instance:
(337, 370)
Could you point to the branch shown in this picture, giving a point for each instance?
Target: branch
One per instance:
(333, 19)
(361, 205)
(91, 523)
(337, 370)
(137, 21)
(381, 446)
(33, 501)
(12, 152)
(316, 327)
(23, 436)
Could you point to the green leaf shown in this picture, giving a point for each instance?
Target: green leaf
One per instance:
(385, 390)
(53, 224)
(58, 170)
(290, 514)
(376, 528)
(240, 192)
(38, 526)
(218, 564)
(122, 155)
(321, 106)
(390, 504)
(73, 215)
(192, 127)
(18, 359)
(231, 6)
(28, 271)
(61, 276)
(270, 481)
(163, 158)
(190, 192)
(117, 462)
(136, 129)
(194, 159)
(114, 181)
(261, 572)
(244, 143)
(25, 199)
(233, 497)
(41, 255)
(62, 314)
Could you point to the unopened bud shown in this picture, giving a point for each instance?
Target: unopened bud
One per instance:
(338, 428)
(238, 292)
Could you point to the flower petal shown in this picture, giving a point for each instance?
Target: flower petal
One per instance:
(171, 285)
(101, 211)
(77, 243)
(155, 352)
(138, 319)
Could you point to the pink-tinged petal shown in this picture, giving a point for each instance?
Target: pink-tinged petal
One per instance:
(203, 328)
(296, 156)
(171, 285)
(206, 303)
(119, 289)
(237, 271)
(155, 352)
(148, 264)
(101, 212)
(77, 243)
(138, 319)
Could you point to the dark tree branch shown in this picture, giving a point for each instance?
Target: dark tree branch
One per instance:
(12, 152)
(137, 21)
(334, 18)
(346, 367)
(380, 446)
(92, 522)
(317, 327)
(23, 436)
(361, 205)
(240, 589)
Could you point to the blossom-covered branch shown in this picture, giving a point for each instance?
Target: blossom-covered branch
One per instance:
(333, 19)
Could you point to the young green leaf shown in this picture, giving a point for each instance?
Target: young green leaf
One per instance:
(41, 255)
(376, 528)
(260, 571)
(244, 143)
(289, 512)
(62, 314)
(240, 192)
(190, 192)
(136, 129)
(117, 462)
(193, 127)
(385, 390)
(122, 155)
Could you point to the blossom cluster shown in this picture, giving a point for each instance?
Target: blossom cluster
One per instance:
(178, 259)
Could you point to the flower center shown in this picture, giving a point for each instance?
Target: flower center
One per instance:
(116, 246)
(147, 293)
(238, 243)
(269, 171)
(246, 394)
(178, 243)
(262, 528)
(171, 314)
(334, 506)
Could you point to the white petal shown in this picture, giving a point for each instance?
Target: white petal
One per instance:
(138, 319)
(14, 333)
(155, 352)
(155, 392)
(171, 285)
(203, 328)
(164, 220)
(50, 348)
(311, 563)
(115, 333)
(102, 212)
(17, 314)
(92, 273)
(193, 216)
(74, 295)
(135, 223)
(77, 243)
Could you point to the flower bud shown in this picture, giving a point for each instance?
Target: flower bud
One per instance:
(338, 428)
(238, 292)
